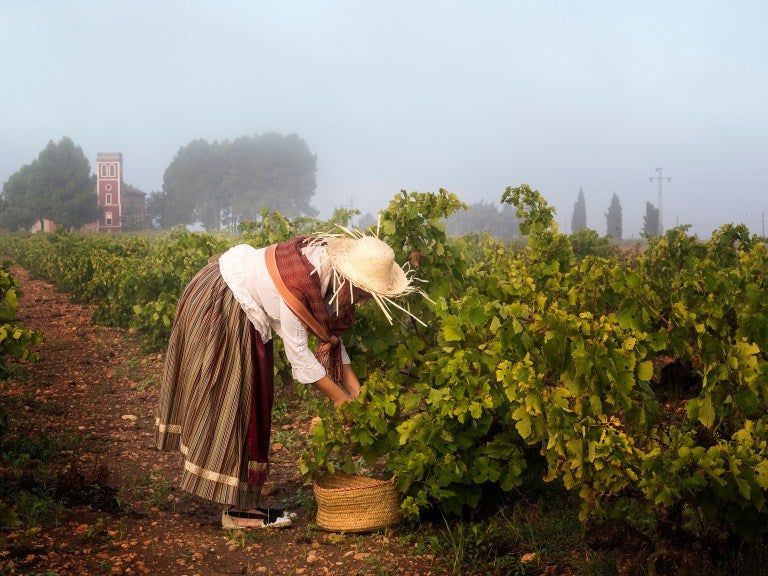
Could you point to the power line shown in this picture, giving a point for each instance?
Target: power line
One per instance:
(660, 178)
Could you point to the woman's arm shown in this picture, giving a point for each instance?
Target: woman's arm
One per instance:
(333, 391)
(350, 381)
(338, 394)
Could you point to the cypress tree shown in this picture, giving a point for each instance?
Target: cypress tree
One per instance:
(613, 219)
(579, 219)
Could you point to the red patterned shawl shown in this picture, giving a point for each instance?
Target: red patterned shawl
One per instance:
(296, 275)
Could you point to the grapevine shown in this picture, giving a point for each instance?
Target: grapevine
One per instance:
(548, 357)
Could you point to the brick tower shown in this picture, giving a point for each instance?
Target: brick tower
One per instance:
(109, 188)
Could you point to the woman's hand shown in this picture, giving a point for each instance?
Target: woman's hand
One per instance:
(341, 400)
(340, 394)
(335, 393)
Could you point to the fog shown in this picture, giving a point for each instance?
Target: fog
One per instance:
(467, 96)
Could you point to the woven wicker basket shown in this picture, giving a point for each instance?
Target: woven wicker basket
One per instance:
(352, 503)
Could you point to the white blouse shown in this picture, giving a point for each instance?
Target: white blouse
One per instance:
(244, 269)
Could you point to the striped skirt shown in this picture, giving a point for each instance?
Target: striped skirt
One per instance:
(205, 397)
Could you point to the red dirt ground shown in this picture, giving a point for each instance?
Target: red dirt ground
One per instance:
(96, 391)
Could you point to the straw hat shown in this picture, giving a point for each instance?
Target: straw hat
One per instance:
(369, 263)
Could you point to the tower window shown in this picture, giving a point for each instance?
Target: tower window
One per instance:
(103, 170)
(113, 170)
(108, 199)
(108, 218)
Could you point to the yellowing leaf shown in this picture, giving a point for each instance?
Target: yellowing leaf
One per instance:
(451, 330)
(761, 474)
(388, 227)
(645, 371)
(707, 411)
(523, 423)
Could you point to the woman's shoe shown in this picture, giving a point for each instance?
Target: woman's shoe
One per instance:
(277, 513)
(255, 518)
(272, 513)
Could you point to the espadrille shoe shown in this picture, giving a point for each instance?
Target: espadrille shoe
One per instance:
(254, 519)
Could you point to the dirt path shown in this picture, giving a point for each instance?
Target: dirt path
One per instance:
(95, 392)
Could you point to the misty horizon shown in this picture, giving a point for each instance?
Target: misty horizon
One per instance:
(471, 98)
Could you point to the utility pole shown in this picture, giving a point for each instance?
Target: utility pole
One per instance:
(660, 178)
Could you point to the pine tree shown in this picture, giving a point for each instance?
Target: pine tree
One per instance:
(57, 186)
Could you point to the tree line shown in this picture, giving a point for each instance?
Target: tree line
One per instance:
(225, 183)
(220, 184)
(613, 218)
(215, 184)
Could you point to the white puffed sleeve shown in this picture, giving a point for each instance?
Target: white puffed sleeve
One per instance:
(304, 366)
(234, 266)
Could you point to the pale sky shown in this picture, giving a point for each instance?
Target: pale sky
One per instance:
(470, 96)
